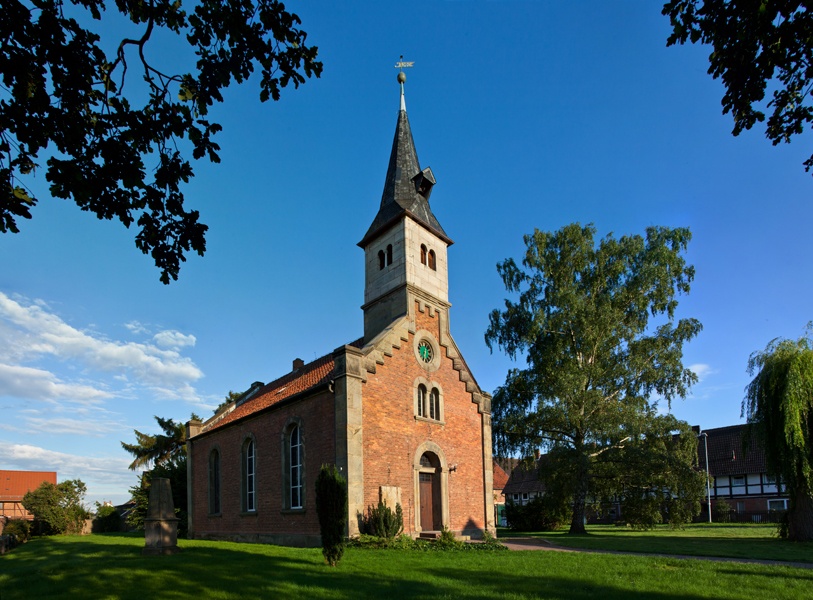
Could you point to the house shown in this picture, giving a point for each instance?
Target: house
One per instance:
(398, 410)
(14, 485)
(738, 473)
(499, 479)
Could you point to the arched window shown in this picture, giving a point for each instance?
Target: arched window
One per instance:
(295, 449)
(434, 404)
(389, 254)
(432, 260)
(292, 442)
(249, 501)
(421, 400)
(423, 254)
(214, 482)
(380, 259)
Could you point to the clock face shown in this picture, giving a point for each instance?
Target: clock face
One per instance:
(425, 351)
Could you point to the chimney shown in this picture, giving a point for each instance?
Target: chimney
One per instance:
(298, 364)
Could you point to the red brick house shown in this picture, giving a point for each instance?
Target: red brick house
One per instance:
(14, 485)
(398, 410)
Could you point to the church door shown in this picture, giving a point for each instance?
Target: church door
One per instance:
(427, 512)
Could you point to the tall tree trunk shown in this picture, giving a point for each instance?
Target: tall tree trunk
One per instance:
(580, 497)
(800, 517)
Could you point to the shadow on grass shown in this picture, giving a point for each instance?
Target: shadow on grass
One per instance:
(111, 566)
(711, 541)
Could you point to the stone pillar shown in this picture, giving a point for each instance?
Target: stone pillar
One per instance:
(349, 432)
(160, 524)
(193, 428)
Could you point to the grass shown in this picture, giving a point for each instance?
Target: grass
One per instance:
(111, 566)
(701, 539)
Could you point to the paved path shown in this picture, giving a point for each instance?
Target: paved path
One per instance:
(532, 543)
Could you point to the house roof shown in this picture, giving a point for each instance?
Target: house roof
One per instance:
(15, 484)
(727, 455)
(524, 479)
(306, 378)
(400, 196)
(499, 476)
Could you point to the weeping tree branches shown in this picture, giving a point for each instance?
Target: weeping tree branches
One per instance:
(779, 406)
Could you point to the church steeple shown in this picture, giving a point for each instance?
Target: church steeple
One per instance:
(406, 187)
(405, 246)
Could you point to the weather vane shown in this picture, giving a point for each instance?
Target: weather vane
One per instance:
(401, 64)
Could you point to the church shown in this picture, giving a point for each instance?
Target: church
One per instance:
(397, 411)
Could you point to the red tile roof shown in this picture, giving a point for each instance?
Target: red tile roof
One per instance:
(15, 484)
(308, 377)
(500, 477)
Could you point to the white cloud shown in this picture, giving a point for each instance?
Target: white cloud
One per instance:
(702, 370)
(85, 427)
(33, 332)
(105, 477)
(37, 384)
(173, 339)
(135, 327)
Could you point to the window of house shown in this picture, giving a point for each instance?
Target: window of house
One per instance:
(778, 504)
(249, 477)
(428, 400)
(214, 482)
(389, 254)
(423, 254)
(432, 260)
(421, 400)
(740, 507)
(738, 484)
(434, 404)
(293, 465)
(381, 263)
(295, 447)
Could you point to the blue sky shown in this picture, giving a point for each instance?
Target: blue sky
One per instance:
(531, 114)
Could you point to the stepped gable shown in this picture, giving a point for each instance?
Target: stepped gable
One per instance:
(727, 456)
(308, 377)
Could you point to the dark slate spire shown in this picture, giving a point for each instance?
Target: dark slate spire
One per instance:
(407, 187)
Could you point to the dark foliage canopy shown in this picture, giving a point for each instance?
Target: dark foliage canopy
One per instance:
(757, 46)
(116, 152)
(166, 448)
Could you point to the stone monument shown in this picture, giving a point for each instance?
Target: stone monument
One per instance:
(160, 524)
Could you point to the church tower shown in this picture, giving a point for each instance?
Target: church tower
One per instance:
(405, 246)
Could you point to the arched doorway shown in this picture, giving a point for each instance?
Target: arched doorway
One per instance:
(431, 511)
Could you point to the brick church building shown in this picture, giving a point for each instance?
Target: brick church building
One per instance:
(398, 410)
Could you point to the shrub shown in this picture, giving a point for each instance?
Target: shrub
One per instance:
(539, 514)
(382, 521)
(107, 519)
(447, 540)
(722, 511)
(331, 508)
(57, 509)
(19, 528)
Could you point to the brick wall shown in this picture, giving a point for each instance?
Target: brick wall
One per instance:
(270, 523)
(392, 434)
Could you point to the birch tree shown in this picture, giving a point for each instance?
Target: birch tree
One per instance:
(596, 326)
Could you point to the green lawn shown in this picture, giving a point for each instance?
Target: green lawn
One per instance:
(111, 566)
(726, 540)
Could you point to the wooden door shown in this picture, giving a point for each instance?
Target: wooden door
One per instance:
(427, 502)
